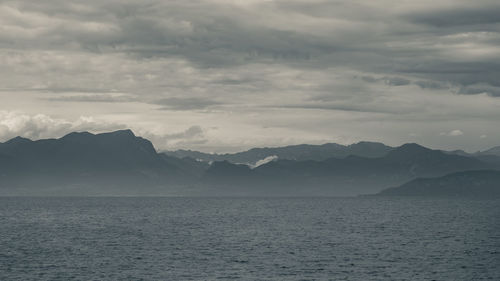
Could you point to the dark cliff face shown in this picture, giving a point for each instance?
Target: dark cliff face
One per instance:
(482, 183)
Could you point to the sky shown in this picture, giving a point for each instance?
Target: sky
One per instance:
(225, 76)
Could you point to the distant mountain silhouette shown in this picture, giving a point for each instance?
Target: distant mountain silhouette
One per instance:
(348, 176)
(491, 156)
(492, 151)
(120, 163)
(300, 152)
(111, 161)
(459, 152)
(485, 183)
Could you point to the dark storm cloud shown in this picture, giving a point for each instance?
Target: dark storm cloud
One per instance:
(480, 89)
(473, 16)
(461, 74)
(165, 65)
(431, 85)
(207, 33)
(303, 34)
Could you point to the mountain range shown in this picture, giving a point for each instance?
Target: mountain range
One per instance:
(301, 152)
(347, 176)
(84, 163)
(120, 163)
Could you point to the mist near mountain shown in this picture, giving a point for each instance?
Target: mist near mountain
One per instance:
(492, 151)
(300, 152)
(347, 176)
(122, 164)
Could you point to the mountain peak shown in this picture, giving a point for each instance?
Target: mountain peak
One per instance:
(413, 147)
(77, 135)
(125, 132)
(18, 140)
(119, 133)
(408, 150)
(368, 143)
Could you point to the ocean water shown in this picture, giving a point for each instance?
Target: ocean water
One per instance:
(249, 239)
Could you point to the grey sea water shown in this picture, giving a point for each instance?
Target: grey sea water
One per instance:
(249, 239)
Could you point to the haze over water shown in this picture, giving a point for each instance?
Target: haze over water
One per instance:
(249, 239)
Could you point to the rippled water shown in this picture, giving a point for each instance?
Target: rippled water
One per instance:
(252, 238)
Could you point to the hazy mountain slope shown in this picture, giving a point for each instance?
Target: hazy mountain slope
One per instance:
(348, 176)
(484, 183)
(119, 163)
(294, 152)
(188, 166)
(492, 151)
(490, 156)
(117, 160)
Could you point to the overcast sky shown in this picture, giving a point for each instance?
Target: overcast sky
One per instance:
(221, 76)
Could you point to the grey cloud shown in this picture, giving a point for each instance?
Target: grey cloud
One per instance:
(38, 126)
(369, 79)
(396, 81)
(431, 84)
(461, 16)
(351, 107)
(188, 103)
(457, 73)
(61, 90)
(480, 89)
(233, 81)
(93, 98)
(399, 81)
(356, 35)
(191, 132)
(192, 136)
(452, 133)
(198, 62)
(393, 81)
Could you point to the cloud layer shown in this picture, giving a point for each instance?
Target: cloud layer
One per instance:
(258, 72)
(13, 124)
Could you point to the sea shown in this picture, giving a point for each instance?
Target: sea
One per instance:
(146, 238)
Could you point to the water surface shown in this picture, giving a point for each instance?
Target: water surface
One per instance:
(249, 239)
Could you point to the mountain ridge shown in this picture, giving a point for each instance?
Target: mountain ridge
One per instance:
(350, 175)
(292, 152)
(120, 162)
